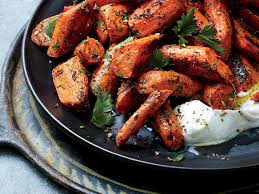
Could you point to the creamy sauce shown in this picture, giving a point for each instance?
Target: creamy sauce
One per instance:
(203, 126)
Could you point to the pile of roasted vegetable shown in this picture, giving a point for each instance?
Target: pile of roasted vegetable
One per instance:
(156, 51)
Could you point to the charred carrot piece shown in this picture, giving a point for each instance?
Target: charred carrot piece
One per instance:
(245, 74)
(128, 61)
(101, 29)
(90, 51)
(198, 61)
(39, 34)
(217, 13)
(168, 127)
(128, 98)
(219, 96)
(182, 85)
(251, 18)
(152, 16)
(137, 120)
(194, 4)
(71, 83)
(115, 19)
(71, 27)
(245, 42)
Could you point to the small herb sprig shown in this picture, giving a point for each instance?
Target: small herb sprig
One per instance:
(186, 27)
(157, 61)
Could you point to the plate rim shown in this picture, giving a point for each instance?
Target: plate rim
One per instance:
(69, 132)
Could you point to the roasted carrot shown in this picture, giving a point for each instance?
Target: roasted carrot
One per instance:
(90, 51)
(39, 34)
(194, 4)
(245, 42)
(115, 19)
(128, 98)
(218, 15)
(105, 2)
(71, 27)
(255, 97)
(168, 127)
(198, 61)
(152, 16)
(219, 96)
(245, 74)
(101, 30)
(128, 61)
(71, 83)
(137, 120)
(251, 18)
(182, 85)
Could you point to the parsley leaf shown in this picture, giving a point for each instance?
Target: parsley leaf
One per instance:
(186, 26)
(176, 158)
(102, 110)
(157, 60)
(49, 27)
(206, 35)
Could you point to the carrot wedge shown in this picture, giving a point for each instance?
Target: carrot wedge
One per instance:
(101, 29)
(219, 96)
(198, 61)
(128, 60)
(168, 127)
(128, 98)
(137, 120)
(245, 42)
(217, 13)
(71, 27)
(90, 51)
(183, 85)
(152, 16)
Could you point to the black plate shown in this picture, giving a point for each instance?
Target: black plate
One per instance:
(238, 153)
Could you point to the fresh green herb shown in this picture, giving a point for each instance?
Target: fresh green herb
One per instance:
(124, 18)
(56, 45)
(176, 158)
(186, 26)
(101, 24)
(102, 110)
(120, 73)
(206, 35)
(85, 72)
(94, 55)
(49, 27)
(167, 113)
(157, 61)
(180, 88)
(211, 100)
(215, 66)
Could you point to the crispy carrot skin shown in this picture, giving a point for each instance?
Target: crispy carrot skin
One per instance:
(245, 74)
(101, 29)
(128, 60)
(71, 27)
(245, 42)
(217, 13)
(115, 20)
(90, 51)
(39, 35)
(182, 85)
(219, 96)
(150, 107)
(71, 83)
(153, 15)
(198, 61)
(128, 98)
(251, 18)
(168, 127)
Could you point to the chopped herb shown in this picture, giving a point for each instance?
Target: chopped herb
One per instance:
(117, 13)
(101, 24)
(215, 66)
(157, 61)
(56, 45)
(206, 35)
(124, 18)
(186, 26)
(94, 55)
(211, 100)
(85, 72)
(180, 88)
(82, 126)
(120, 73)
(49, 27)
(176, 158)
(102, 110)
(120, 29)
